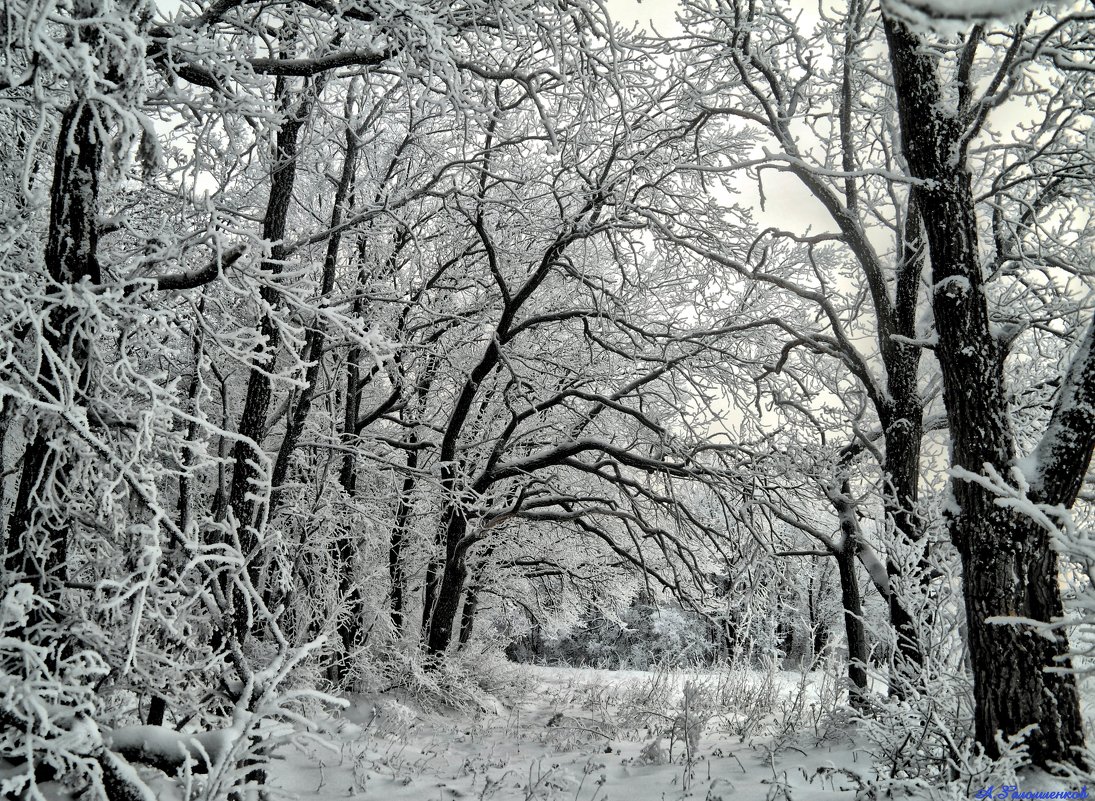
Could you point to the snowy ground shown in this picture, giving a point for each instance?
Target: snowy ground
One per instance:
(591, 735)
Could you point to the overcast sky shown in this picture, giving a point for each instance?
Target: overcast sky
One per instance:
(661, 14)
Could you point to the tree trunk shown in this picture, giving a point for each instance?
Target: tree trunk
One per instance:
(317, 334)
(247, 490)
(157, 710)
(1009, 568)
(70, 257)
(852, 601)
(819, 632)
(901, 470)
(446, 606)
(399, 533)
(850, 595)
(7, 412)
(450, 586)
(903, 426)
(467, 616)
(819, 640)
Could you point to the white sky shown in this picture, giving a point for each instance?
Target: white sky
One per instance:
(788, 206)
(657, 14)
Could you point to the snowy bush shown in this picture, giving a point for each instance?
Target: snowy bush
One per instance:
(48, 703)
(645, 635)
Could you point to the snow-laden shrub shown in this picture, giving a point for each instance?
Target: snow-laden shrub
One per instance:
(47, 700)
(748, 698)
(675, 710)
(695, 709)
(122, 591)
(644, 635)
(56, 728)
(923, 736)
(643, 703)
(465, 681)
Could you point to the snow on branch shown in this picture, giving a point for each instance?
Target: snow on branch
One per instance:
(169, 750)
(926, 12)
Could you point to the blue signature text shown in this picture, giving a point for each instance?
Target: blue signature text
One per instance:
(1008, 792)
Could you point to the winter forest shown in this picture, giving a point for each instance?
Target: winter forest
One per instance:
(547, 399)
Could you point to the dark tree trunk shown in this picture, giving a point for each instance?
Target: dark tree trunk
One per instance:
(399, 533)
(852, 601)
(901, 469)
(850, 595)
(247, 489)
(819, 632)
(70, 257)
(467, 616)
(450, 585)
(819, 640)
(157, 710)
(903, 426)
(7, 412)
(317, 334)
(1008, 565)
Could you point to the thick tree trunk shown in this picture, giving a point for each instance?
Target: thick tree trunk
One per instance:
(1008, 565)
(446, 606)
(7, 413)
(450, 584)
(852, 601)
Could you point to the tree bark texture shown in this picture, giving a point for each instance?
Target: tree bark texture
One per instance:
(246, 493)
(1009, 568)
(450, 583)
(467, 615)
(850, 595)
(70, 257)
(903, 426)
(316, 337)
